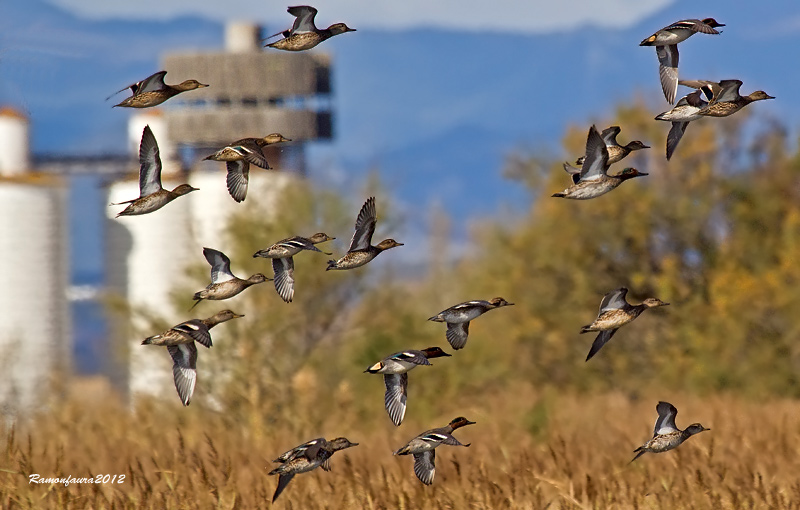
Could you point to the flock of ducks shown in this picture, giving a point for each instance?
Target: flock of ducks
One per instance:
(589, 181)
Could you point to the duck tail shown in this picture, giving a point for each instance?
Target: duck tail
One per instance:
(196, 302)
(641, 452)
(436, 318)
(331, 265)
(585, 329)
(147, 341)
(559, 195)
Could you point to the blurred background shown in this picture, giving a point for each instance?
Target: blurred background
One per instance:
(456, 116)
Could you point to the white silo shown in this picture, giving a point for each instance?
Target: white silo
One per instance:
(15, 156)
(147, 260)
(35, 346)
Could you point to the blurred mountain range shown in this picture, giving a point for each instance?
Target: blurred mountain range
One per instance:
(434, 111)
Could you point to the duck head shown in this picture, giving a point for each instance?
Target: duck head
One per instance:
(275, 138)
(339, 28)
(498, 302)
(695, 428)
(320, 237)
(387, 243)
(340, 443)
(189, 85)
(183, 189)
(434, 352)
(759, 95)
(630, 173)
(223, 316)
(636, 145)
(653, 302)
(712, 23)
(460, 422)
(258, 278)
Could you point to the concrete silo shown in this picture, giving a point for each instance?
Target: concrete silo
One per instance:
(35, 345)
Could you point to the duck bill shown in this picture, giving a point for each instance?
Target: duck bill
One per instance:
(237, 316)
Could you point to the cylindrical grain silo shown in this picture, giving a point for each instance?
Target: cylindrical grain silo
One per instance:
(15, 153)
(35, 345)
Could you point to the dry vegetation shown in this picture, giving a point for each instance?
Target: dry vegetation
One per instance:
(562, 452)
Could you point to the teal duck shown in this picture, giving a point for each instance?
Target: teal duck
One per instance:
(307, 457)
(180, 342)
(666, 42)
(592, 180)
(281, 254)
(361, 250)
(395, 368)
(151, 195)
(224, 284)
(727, 100)
(423, 448)
(152, 91)
(616, 152)
(458, 317)
(615, 312)
(666, 435)
(304, 34)
(685, 111)
(239, 155)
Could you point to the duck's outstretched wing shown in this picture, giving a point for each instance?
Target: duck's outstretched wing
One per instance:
(396, 396)
(149, 164)
(595, 162)
(184, 369)
(668, 70)
(424, 466)
(220, 265)
(602, 338)
(666, 419)
(365, 226)
(304, 21)
(614, 300)
(237, 179)
(284, 277)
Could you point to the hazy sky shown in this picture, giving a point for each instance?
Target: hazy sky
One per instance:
(512, 15)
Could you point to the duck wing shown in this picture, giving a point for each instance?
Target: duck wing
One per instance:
(184, 369)
(220, 265)
(575, 173)
(251, 151)
(729, 92)
(237, 179)
(283, 481)
(424, 466)
(609, 135)
(396, 396)
(457, 333)
(614, 300)
(284, 277)
(150, 164)
(411, 356)
(153, 82)
(309, 449)
(602, 338)
(674, 136)
(595, 162)
(196, 330)
(365, 226)
(304, 21)
(666, 419)
(668, 70)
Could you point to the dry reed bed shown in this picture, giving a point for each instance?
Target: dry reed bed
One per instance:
(576, 458)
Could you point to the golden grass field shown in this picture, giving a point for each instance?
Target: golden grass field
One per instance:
(532, 451)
